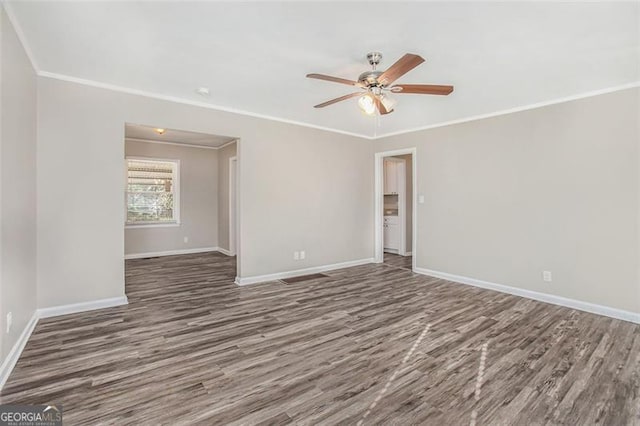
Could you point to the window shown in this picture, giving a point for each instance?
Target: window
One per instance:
(152, 191)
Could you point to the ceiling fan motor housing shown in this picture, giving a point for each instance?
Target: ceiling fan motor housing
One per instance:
(370, 78)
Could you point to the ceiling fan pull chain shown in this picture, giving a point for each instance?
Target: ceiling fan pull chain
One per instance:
(375, 126)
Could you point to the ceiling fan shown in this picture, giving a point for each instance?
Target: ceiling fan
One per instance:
(377, 84)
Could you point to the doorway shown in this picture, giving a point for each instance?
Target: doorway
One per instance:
(395, 210)
(177, 184)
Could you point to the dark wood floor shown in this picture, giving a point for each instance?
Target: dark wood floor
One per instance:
(373, 344)
(397, 261)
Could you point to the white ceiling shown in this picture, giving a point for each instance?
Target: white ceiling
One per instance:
(136, 131)
(254, 56)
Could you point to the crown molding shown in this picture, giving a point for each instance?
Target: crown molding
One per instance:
(18, 29)
(183, 101)
(328, 129)
(515, 109)
(227, 144)
(188, 145)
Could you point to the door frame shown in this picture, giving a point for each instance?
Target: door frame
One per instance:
(233, 204)
(379, 202)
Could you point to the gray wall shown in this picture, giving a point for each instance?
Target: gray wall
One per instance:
(198, 201)
(18, 189)
(224, 155)
(302, 189)
(554, 188)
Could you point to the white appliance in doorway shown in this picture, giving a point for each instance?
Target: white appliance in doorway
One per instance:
(379, 158)
(394, 195)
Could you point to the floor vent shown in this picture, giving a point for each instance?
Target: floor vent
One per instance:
(301, 278)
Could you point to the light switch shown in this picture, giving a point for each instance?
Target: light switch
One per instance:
(302, 255)
(421, 199)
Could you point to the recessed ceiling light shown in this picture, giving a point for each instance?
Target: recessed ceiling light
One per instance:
(160, 131)
(202, 91)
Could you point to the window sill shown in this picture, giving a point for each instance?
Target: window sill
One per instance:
(151, 225)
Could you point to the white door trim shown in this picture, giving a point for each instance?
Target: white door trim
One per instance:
(402, 208)
(379, 202)
(233, 197)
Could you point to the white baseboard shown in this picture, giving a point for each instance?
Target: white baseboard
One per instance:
(298, 272)
(174, 252)
(408, 253)
(225, 251)
(55, 311)
(542, 297)
(12, 358)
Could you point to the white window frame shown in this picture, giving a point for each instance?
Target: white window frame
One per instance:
(176, 194)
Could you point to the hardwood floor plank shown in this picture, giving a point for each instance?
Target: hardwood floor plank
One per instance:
(193, 348)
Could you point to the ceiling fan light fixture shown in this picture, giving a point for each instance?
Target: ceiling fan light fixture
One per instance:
(367, 105)
(389, 103)
(374, 82)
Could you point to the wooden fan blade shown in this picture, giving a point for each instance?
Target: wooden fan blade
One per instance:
(380, 106)
(333, 79)
(400, 68)
(341, 98)
(422, 89)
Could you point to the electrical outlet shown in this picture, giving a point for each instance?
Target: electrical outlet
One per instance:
(9, 321)
(296, 255)
(186, 239)
(302, 255)
(546, 276)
